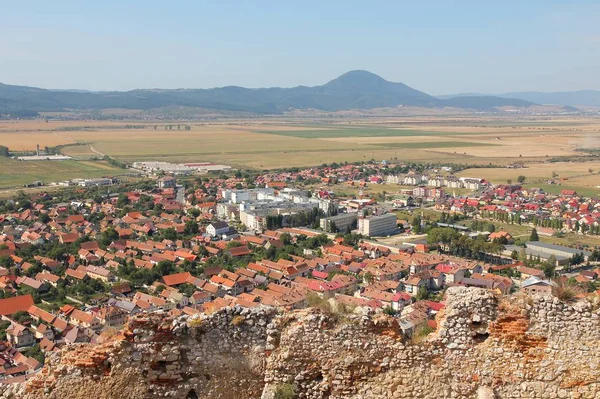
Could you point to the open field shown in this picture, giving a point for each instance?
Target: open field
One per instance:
(17, 173)
(275, 142)
(583, 177)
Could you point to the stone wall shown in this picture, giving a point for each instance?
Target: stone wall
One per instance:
(486, 347)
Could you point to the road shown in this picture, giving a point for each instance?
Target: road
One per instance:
(95, 151)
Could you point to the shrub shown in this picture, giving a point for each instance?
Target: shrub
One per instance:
(237, 320)
(334, 309)
(566, 292)
(421, 332)
(195, 323)
(285, 391)
(316, 301)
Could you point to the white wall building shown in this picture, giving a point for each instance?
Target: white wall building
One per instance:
(378, 225)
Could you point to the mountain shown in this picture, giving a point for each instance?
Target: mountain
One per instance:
(352, 90)
(573, 98)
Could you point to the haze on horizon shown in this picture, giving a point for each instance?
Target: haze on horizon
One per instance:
(439, 48)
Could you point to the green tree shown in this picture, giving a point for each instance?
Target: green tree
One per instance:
(548, 269)
(191, 228)
(534, 235)
(4, 152)
(422, 294)
(521, 179)
(170, 233)
(122, 200)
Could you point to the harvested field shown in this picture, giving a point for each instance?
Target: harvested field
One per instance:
(275, 142)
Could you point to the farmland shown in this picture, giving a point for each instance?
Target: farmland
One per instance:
(275, 142)
(17, 173)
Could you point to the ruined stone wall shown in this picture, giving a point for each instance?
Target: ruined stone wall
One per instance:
(485, 347)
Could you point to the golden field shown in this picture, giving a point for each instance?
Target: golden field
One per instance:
(287, 141)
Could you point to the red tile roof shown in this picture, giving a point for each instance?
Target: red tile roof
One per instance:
(15, 304)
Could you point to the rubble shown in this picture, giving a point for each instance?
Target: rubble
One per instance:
(485, 347)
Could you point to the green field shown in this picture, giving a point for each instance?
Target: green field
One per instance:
(16, 173)
(556, 189)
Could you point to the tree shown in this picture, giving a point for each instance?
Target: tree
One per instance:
(6, 262)
(548, 269)
(4, 152)
(521, 179)
(170, 233)
(286, 238)
(368, 277)
(44, 218)
(164, 267)
(191, 227)
(122, 200)
(422, 294)
(416, 224)
(534, 235)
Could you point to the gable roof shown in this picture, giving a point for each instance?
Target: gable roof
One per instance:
(15, 304)
(177, 278)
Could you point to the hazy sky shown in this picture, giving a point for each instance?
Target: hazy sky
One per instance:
(435, 46)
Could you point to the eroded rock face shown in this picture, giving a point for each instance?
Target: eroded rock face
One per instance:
(484, 348)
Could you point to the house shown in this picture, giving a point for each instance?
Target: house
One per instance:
(49, 278)
(36, 285)
(112, 316)
(15, 304)
(413, 283)
(83, 319)
(501, 236)
(18, 335)
(535, 285)
(175, 280)
(216, 229)
(239, 251)
(527, 272)
(99, 273)
(76, 274)
(452, 274)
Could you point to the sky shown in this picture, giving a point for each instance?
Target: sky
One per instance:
(440, 47)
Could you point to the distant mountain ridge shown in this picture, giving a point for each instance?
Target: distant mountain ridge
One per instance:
(568, 98)
(352, 90)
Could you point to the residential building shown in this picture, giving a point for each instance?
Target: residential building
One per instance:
(378, 225)
(342, 222)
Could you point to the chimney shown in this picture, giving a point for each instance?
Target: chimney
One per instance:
(37, 151)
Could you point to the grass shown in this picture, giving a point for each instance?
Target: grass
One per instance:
(556, 189)
(17, 173)
(421, 333)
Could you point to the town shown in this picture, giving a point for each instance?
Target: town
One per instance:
(76, 264)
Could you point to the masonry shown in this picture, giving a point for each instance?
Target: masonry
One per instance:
(485, 347)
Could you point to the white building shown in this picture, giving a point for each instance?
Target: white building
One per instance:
(378, 225)
(217, 228)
